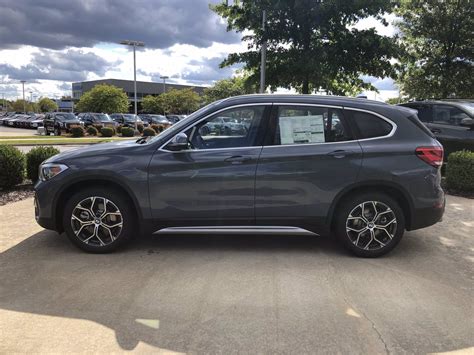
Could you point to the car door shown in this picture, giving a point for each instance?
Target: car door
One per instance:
(446, 125)
(212, 181)
(308, 157)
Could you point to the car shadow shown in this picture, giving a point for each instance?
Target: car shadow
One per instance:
(153, 290)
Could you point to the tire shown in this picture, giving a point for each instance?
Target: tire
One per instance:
(375, 234)
(94, 237)
(57, 131)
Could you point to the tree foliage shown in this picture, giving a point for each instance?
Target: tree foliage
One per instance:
(312, 43)
(438, 42)
(47, 105)
(20, 105)
(173, 101)
(226, 88)
(103, 98)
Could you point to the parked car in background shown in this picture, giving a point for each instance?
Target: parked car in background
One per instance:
(451, 121)
(37, 122)
(126, 119)
(362, 170)
(224, 125)
(175, 118)
(93, 118)
(155, 119)
(59, 122)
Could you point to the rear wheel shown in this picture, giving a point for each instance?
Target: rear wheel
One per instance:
(57, 131)
(98, 220)
(370, 224)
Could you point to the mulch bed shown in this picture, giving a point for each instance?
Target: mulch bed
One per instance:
(17, 193)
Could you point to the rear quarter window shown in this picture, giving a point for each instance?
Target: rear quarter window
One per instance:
(369, 126)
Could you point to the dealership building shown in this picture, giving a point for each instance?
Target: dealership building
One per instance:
(144, 88)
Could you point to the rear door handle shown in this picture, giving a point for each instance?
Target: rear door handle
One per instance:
(340, 153)
(237, 159)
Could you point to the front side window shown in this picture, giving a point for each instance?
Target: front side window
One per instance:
(450, 115)
(309, 125)
(233, 128)
(370, 126)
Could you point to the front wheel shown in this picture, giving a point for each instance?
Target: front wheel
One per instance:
(98, 220)
(370, 224)
(57, 131)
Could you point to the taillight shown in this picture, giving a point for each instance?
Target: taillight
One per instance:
(431, 155)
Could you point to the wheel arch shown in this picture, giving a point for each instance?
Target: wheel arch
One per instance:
(91, 181)
(392, 189)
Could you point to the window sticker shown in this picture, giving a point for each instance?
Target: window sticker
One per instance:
(302, 129)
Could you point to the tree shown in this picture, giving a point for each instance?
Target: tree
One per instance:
(173, 101)
(103, 98)
(47, 105)
(311, 43)
(438, 48)
(226, 88)
(20, 105)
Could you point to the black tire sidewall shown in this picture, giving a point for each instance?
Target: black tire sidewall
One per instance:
(347, 206)
(129, 220)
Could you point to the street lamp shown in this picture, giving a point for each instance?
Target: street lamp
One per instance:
(164, 77)
(24, 103)
(134, 44)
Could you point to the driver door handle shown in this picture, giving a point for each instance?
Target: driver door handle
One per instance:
(435, 130)
(237, 159)
(340, 153)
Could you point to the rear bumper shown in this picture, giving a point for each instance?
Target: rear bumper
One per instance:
(425, 217)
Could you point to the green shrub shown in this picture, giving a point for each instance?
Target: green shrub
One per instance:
(127, 132)
(460, 171)
(35, 157)
(12, 166)
(158, 128)
(98, 127)
(107, 131)
(140, 128)
(92, 131)
(147, 132)
(77, 131)
(119, 129)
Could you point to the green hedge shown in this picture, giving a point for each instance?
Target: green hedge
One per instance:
(107, 131)
(140, 127)
(12, 166)
(460, 171)
(127, 132)
(92, 131)
(35, 157)
(148, 132)
(77, 131)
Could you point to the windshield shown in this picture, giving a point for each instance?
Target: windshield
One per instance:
(129, 117)
(102, 117)
(181, 124)
(66, 116)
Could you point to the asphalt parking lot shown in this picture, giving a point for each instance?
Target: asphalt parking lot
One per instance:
(239, 294)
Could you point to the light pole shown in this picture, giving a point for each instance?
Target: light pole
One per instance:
(24, 103)
(134, 44)
(164, 77)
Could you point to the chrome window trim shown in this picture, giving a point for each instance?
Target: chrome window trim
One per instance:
(205, 117)
(390, 134)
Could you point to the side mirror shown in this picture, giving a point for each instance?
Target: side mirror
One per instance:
(467, 122)
(179, 142)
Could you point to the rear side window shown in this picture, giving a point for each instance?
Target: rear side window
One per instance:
(370, 126)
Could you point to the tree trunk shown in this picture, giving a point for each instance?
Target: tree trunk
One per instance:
(305, 88)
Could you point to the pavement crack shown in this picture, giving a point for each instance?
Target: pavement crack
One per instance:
(376, 331)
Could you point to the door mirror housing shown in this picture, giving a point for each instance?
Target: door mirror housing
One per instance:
(467, 122)
(179, 142)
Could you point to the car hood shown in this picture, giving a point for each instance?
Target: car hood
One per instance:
(95, 149)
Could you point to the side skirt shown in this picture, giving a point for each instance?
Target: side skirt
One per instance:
(233, 230)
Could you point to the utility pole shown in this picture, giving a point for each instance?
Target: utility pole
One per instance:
(134, 44)
(164, 77)
(24, 102)
(264, 54)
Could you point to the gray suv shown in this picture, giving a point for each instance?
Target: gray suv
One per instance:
(362, 170)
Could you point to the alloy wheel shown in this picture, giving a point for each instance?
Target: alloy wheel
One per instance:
(371, 225)
(96, 221)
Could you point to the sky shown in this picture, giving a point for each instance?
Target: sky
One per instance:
(52, 43)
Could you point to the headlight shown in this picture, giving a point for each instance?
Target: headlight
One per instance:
(50, 170)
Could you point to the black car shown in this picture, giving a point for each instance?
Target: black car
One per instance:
(363, 170)
(155, 119)
(126, 119)
(93, 118)
(58, 122)
(175, 118)
(451, 121)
